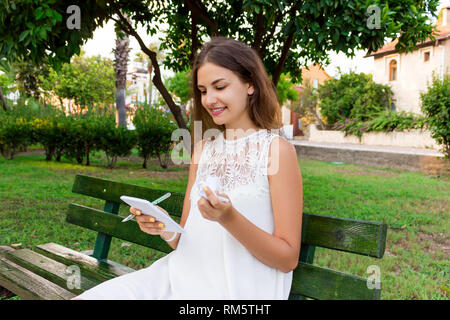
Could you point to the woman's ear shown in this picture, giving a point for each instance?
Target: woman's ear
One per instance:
(250, 90)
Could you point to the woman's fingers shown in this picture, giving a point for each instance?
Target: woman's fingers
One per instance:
(135, 211)
(149, 222)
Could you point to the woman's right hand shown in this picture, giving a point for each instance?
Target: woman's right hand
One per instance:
(148, 224)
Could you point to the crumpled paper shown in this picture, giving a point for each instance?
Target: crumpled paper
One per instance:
(213, 183)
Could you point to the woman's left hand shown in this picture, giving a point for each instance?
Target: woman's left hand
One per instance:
(214, 209)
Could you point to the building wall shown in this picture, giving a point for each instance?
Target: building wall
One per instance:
(413, 74)
(412, 138)
(314, 72)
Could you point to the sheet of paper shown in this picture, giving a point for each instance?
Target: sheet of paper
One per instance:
(213, 183)
(150, 209)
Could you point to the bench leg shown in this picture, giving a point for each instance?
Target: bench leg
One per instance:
(5, 293)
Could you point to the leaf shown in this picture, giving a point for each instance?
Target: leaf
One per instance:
(16, 245)
(23, 35)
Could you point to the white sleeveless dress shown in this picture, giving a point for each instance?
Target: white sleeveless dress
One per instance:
(209, 263)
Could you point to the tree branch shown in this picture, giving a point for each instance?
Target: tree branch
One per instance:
(194, 41)
(269, 35)
(174, 108)
(260, 30)
(284, 52)
(199, 10)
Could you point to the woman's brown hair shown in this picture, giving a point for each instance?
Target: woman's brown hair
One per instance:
(264, 109)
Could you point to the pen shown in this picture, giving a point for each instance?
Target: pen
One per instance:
(155, 202)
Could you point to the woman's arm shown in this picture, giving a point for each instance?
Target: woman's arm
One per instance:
(282, 249)
(187, 201)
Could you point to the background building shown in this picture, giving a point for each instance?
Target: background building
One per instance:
(313, 76)
(409, 74)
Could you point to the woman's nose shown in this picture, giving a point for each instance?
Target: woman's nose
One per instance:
(210, 98)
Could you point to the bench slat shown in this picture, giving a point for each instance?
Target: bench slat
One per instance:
(100, 270)
(111, 191)
(111, 224)
(326, 284)
(28, 285)
(49, 269)
(349, 235)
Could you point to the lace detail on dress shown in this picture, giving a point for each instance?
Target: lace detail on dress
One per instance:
(237, 162)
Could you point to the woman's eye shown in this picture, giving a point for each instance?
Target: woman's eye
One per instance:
(217, 88)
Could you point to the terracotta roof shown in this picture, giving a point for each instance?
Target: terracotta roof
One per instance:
(441, 33)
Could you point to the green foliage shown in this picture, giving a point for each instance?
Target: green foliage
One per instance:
(436, 107)
(5, 83)
(15, 133)
(87, 80)
(116, 142)
(306, 106)
(353, 96)
(285, 89)
(49, 129)
(318, 28)
(16, 128)
(385, 121)
(154, 131)
(180, 86)
(38, 29)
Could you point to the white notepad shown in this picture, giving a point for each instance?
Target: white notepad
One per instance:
(150, 209)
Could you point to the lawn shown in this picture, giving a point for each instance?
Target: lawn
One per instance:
(34, 195)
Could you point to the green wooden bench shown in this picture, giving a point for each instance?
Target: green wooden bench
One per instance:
(47, 271)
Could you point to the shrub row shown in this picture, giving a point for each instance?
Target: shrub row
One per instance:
(385, 121)
(76, 136)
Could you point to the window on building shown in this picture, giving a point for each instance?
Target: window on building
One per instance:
(315, 84)
(393, 70)
(426, 56)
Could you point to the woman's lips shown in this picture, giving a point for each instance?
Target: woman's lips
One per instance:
(216, 113)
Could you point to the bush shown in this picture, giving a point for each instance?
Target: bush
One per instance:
(15, 133)
(116, 142)
(385, 121)
(84, 136)
(154, 132)
(49, 129)
(353, 96)
(436, 107)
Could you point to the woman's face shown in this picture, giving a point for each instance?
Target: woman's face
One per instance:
(224, 95)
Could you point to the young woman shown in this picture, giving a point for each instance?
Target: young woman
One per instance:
(245, 248)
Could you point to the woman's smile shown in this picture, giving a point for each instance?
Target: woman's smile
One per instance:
(218, 111)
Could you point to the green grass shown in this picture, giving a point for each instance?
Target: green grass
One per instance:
(34, 195)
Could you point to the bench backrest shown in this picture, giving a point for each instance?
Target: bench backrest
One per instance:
(348, 235)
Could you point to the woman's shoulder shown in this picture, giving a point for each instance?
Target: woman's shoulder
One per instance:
(281, 148)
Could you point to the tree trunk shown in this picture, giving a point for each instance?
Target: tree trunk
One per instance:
(120, 66)
(3, 100)
(88, 162)
(157, 81)
(120, 102)
(150, 84)
(144, 165)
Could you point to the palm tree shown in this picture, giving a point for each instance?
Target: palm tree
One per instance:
(143, 58)
(120, 66)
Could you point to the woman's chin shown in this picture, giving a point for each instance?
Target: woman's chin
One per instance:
(218, 121)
